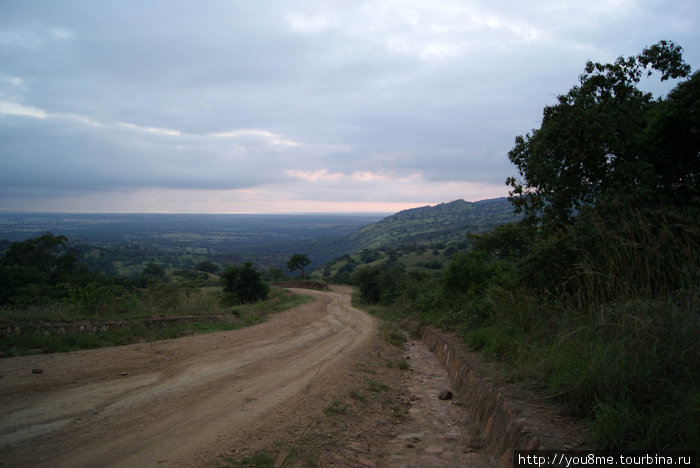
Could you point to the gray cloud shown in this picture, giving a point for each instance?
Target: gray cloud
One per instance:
(118, 98)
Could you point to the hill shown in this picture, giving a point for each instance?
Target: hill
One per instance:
(446, 222)
(422, 238)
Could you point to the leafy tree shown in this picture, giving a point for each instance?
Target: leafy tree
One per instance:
(607, 140)
(207, 267)
(380, 284)
(275, 274)
(32, 269)
(368, 256)
(45, 256)
(367, 279)
(154, 270)
(507, 241)
(244, 284)
(468, 272)
(298, 262)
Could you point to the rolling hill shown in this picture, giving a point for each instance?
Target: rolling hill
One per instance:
(446, 222)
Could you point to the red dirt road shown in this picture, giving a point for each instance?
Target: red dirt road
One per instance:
(179, 402)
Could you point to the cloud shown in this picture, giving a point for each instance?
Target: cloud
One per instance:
(255, 133)
(13, 108)
(315, 103)
(441, 29)
(313, 176)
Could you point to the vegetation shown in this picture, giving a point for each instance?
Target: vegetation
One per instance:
(446, 222)
(243, 285)
(298, 262)
(596, 293)
(133, 325)
(593, 293)
(43, 281)
(607, 142)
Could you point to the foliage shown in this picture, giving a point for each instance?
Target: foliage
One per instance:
(623, 253)
(298, 262)
(607, 140)
(445, 222)
(510, 241)
(207, 267)
(164, 300)
(33, 271)
(243, 284)
(598, 301)
(381, 284)
(468, 273)
(275, 274)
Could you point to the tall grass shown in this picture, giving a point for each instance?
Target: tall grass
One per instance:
(617, 342)
(195, 303)
(160, 300)
(641, 254)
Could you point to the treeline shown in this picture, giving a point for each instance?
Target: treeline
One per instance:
(46, 271)
(595, 295)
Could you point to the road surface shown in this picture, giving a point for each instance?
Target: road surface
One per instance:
(179, 402)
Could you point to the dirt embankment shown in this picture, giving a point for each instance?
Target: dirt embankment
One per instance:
(180, 402)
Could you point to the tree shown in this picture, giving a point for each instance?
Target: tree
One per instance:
(32, 270)
(380, 284)
(243, 285)
(207, 267)
(45, 256)
(154, 270)
(275, 274)
(298, 262)
(367, 279)
(607, 140)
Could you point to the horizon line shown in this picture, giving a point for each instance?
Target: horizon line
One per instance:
(251, 213)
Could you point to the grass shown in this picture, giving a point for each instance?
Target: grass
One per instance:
(627, 368)
(161, 300)
(613, 340)
(262, 459)
(630, 367)
(377, 387)
(356, 395)
(127, 333)
(336, 408)
(392, 334)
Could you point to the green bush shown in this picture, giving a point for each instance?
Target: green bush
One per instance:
(243, 284)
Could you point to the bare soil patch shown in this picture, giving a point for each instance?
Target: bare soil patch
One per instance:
(183, 402)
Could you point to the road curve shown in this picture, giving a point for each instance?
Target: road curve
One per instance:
(177, 402)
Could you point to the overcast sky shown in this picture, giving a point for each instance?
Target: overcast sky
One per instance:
(292, 106)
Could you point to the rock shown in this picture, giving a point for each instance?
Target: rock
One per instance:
(445, 395)
(37, 371)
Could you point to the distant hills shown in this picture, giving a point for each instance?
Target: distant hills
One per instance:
(443, 223)
(266, 240)
(446, 222)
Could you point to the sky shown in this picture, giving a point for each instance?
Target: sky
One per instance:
(292, 106)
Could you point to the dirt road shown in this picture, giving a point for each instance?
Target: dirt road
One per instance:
(179, 402)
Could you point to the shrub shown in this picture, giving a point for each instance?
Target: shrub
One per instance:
(243, 284)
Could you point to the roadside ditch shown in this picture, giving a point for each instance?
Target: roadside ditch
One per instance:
(507, 418)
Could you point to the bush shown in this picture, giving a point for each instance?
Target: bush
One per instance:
(244, 284)
(383, 284)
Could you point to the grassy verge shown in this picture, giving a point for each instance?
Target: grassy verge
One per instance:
(245, 315)
(161, 300)
(629, 368)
